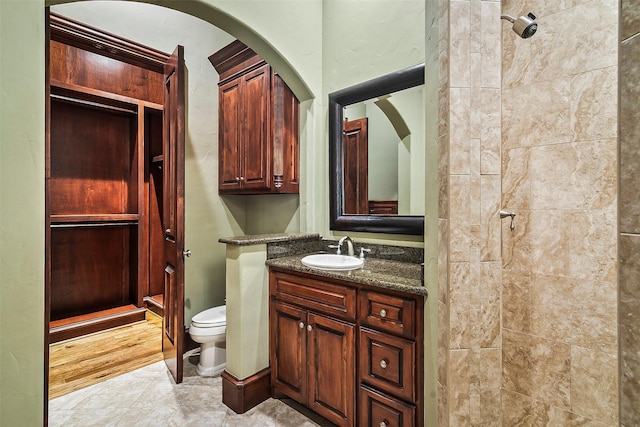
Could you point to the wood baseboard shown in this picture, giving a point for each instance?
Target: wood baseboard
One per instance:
(73, 327)
(242, 395)
(154, 304)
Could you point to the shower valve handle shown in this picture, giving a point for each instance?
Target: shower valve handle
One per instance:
(504, 214)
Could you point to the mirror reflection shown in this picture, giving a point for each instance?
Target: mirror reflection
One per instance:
(383, 144)
(377, 154)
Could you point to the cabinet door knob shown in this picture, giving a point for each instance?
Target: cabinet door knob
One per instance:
(383, 313)
(383, 364)
(242, 178)
(309, 327)
(301, 325)
(383, 424)
(237, 178)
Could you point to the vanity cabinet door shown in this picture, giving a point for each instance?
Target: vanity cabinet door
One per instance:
(332, 369)
(289, 351)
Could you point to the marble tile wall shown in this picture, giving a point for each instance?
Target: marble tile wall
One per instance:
(528, 318)
(470, 296)
(559, 174)
(444, 330)
(629, 327)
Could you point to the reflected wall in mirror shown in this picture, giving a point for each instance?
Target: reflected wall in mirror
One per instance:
(376, 151)
(388, 133)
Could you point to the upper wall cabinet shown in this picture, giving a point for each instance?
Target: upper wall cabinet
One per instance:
(258, 125)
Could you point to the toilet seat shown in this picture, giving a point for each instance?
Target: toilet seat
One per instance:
(211, 318)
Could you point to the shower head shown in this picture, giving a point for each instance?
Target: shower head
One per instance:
(525, 26)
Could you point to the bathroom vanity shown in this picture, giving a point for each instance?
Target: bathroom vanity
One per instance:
(349, 344)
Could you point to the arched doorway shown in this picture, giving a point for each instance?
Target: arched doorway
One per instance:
(245, 31)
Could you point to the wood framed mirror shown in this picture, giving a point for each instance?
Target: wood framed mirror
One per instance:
(350, 207)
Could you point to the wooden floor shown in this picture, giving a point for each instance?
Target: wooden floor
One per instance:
(81, 362)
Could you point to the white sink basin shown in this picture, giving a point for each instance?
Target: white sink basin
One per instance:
(332, 262)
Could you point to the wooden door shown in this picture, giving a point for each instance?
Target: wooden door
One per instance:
(289, 350)
(229, 130)
(332, 369)
(255, 138)
(356, 171)
(173, 212)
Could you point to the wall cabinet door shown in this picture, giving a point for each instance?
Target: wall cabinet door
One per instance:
(244, 132)
(254, 166)
(229, 136)
(258, 125)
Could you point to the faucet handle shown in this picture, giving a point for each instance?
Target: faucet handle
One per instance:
(362, 251)
(335, 247)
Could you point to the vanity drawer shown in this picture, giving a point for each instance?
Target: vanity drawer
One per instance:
(378, 410)
(320, 296)
(388, 313)
(388, 363)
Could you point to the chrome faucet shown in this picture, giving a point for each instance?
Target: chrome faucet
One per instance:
(350, 250)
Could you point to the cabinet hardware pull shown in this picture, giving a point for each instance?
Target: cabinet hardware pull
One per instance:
(383, 313)
(301, 325)
(383, 424)
(383, 364)
(309, 327)
(242, 178)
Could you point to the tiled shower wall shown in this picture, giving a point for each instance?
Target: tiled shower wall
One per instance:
(559, 167)
(528, 318)
(470, 300)
(629, 328)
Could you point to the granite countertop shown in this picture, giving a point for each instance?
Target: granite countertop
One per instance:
(260, 239)
(382, 273)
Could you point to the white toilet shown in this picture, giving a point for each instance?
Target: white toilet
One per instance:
(209, 329)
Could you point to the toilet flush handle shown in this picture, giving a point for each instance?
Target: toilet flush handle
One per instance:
(186, 252)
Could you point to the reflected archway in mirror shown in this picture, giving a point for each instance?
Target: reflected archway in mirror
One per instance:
(339, 218)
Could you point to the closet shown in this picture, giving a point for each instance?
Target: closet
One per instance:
(105, 180)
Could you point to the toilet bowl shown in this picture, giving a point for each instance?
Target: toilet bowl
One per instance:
(208, 328)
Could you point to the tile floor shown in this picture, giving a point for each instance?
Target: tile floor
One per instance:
(149, 397)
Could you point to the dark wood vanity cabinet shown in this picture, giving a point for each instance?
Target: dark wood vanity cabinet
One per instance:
(312, 349)
(258, 125)
(390, 358)
(320, 327)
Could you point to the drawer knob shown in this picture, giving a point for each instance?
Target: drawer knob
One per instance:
(383, 364)
(309, 327)
(301, 325)
(383, 424)
(383, 313)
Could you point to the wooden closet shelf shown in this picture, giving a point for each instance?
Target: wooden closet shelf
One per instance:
(94, 218)
(99, 98)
